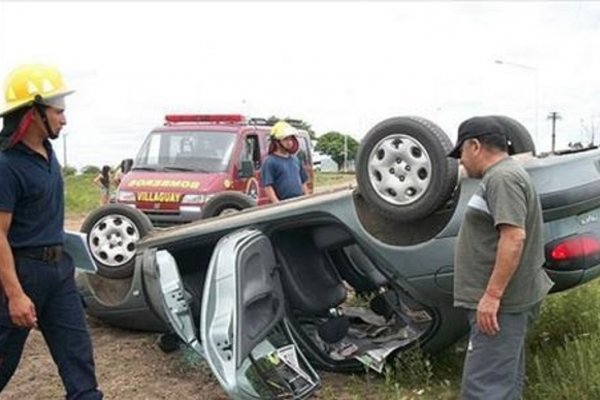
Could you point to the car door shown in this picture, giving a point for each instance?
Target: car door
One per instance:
(246, 338)
(76, 245)
(174, 301)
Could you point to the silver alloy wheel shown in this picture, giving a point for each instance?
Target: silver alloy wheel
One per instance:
(112, 240)
(399, 169)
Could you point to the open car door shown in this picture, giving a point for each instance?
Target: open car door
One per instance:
(245, 335)
(76, 245)
(175, 305)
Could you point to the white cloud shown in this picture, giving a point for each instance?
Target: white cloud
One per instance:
(339, 65)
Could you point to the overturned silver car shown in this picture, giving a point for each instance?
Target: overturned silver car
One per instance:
(338, 280)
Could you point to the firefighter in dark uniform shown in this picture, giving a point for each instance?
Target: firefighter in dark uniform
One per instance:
(37, 277)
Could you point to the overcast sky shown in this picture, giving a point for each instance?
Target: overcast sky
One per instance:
(341, 65)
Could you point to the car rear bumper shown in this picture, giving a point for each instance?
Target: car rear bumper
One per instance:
(567, 279)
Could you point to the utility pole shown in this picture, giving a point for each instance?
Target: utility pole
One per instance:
(64, 135)
(589, 130)
(553, 116)
(345, 153)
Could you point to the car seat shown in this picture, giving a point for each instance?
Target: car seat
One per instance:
(311, 284)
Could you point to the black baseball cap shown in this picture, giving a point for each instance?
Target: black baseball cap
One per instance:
(475, 127)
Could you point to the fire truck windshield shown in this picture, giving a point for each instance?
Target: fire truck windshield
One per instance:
(201, 151)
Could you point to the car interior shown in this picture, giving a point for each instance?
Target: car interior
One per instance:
(343, 307)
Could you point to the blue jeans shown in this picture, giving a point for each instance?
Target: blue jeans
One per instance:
(61, 319)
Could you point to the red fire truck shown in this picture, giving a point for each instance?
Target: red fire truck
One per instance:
(198, 166)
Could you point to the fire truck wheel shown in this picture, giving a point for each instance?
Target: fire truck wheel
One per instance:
(113, 231)
(227, 203)
(519, 139)
(402, 168)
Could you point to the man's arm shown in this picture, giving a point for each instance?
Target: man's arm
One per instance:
(271, 195)
(305, 188)
(267, 181)
(304, 179)
(508, 256)
(20, 306)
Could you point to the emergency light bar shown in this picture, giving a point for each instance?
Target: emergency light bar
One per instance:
(229, 118)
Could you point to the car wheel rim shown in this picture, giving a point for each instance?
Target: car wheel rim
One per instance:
(399, 169)
(112, 240)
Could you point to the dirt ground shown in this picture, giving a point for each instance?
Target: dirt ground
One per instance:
(129, 365)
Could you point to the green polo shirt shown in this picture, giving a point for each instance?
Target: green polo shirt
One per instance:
(505, 195)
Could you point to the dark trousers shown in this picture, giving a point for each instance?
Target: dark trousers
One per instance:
(61, 319)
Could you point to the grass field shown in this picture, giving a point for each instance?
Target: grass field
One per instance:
(563, 347)
(82, 195)
(327, 179)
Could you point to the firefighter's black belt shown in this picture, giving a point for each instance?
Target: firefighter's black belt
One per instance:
(49, 254)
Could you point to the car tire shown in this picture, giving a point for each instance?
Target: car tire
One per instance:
(226, 203)
(403, 169)
(519, 139)
(113, 231)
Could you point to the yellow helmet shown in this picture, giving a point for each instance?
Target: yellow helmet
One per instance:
(282, 129)
(29, 83)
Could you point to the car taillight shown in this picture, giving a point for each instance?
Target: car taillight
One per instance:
(575, 247)
(573, 253)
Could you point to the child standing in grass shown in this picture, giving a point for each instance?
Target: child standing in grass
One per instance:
(103, 182)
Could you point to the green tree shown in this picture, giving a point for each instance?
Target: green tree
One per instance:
(69, 170)
(296, 123)
(90, 169)
(332, 144)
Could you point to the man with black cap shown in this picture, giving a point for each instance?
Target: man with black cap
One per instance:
(37, 278)
(498, 275)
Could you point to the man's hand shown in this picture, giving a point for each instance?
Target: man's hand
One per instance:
(270, 192)
(22, 311)
(487, 314)
(305, 189)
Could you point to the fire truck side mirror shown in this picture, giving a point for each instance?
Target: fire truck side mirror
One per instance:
(126, 165)
(246, 169)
